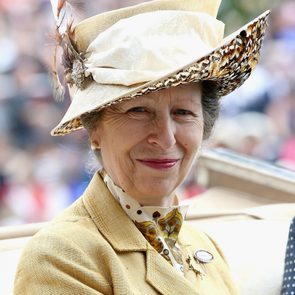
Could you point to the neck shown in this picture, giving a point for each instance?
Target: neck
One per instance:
(165, 201)
(162, 201)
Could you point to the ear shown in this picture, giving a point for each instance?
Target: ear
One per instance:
(94, 139)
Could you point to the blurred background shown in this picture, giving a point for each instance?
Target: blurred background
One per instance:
(40, 174)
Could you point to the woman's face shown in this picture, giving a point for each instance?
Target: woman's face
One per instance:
(148, 144)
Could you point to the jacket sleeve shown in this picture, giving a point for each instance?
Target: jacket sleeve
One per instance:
(53, 264)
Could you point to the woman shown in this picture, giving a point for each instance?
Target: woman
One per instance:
(145, 83)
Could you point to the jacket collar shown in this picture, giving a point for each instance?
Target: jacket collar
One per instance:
(110, 219)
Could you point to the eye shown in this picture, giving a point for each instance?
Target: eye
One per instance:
(183, 112)
(139, 113)
(137, 110)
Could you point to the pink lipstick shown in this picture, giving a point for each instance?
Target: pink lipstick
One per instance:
(160, 164)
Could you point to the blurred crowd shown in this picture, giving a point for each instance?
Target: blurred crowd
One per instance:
(259, 118)
(40, 174)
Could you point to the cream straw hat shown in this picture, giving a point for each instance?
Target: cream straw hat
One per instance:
(132, 51)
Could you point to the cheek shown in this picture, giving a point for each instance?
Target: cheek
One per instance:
(192, 139)
(192, 146)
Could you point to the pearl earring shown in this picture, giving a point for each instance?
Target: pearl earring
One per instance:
(94, 146)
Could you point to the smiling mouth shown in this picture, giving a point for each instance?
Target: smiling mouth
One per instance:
(160, 164)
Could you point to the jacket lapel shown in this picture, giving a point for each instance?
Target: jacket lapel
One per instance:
(165, 278)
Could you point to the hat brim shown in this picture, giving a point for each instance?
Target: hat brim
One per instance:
(229, 65)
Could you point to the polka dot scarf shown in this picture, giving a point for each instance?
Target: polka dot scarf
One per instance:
(289, 273)
(159, 225)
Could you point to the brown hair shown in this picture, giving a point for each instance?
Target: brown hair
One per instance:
(210, 106)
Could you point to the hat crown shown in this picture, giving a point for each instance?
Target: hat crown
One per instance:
(143, 47)
(87, 30)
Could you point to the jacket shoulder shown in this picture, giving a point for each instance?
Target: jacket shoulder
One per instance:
(69, 248)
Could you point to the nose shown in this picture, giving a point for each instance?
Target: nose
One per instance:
(163, 131)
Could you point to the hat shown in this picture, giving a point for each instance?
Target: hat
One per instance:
(130, 52)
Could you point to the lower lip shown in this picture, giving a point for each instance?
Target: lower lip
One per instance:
(160, 165)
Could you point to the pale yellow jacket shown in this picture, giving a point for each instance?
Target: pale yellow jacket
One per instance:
(94, 248)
